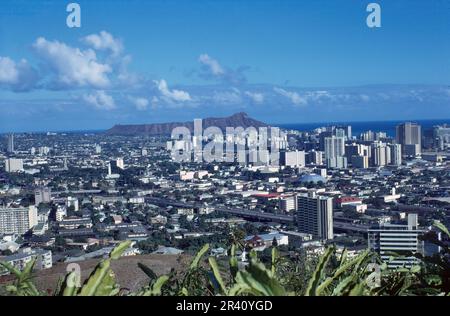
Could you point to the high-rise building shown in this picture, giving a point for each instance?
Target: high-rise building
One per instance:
(13, 165)
(402, 240)
(315, 215)
(315, 157)
(292, 158)
(356, 150)
(344, 130)
(288, 203)
(368, 136)
(18, 220)
(337, 162)
(409, 134)
(335, 152)
(334, 147)
(10, 147)
(42, 195)
(381, 154)
(396, 154)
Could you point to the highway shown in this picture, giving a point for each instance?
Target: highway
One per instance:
(255, 215)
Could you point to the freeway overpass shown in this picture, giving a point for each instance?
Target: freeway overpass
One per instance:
(260, 216)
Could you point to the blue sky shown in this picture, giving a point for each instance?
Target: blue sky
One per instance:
(280, 61)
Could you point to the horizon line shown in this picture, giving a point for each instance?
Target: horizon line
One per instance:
(323, 123)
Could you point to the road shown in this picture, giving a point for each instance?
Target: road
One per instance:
(256, 215)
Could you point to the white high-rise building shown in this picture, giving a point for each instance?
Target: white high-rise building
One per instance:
(315, 215)
(292, 158)
(42, 195)
(335, 152)
(13, 165)
(381, 154)
(18, 220)
(396, 154)
(334, 147)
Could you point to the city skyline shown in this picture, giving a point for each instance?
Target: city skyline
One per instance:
(288, 62)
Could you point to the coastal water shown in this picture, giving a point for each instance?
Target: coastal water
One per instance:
(361, 127)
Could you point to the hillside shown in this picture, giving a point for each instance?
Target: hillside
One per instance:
(165, 129)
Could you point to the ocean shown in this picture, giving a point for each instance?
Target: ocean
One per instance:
(361, 127)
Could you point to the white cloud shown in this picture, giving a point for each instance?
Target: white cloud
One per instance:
(71, 66)
(365, 97)
(100, 99)
(171, 95)
(213, 65)
(9, 73)
(104, 41)
(18, 76)
(227, 97)
(256, 97)
(294, 97)
(140, 103)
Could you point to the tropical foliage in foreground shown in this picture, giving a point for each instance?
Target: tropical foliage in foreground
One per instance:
(333, 274)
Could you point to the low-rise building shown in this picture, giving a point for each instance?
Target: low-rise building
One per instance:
(26, 255)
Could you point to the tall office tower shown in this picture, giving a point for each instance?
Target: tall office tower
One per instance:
(98, 149)
(396, 154)
(409, 134)
(292, 158)
(334, 147)
(10, 147)
(13, 165)
(42, 195)
(315, 215)
(401, 239)
(335, 151)
(17, 220)
(381, 154)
